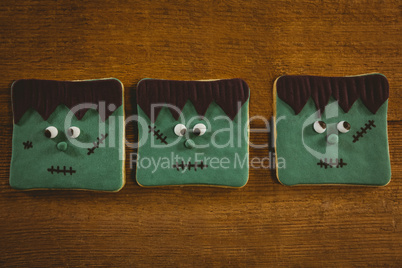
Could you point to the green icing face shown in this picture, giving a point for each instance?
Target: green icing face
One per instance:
(39, 162)
(218, 157)
(332, 157)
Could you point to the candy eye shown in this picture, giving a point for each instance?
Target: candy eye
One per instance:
(180, 130)
(320, 126)
(51, 132)
(199, 129)
(343, 126)
(73, 132)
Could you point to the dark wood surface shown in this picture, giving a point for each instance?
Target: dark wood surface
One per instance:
(263, 224)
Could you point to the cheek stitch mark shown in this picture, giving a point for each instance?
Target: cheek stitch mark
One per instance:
(27, 144)
(359, 134)
(159, 135)
(96, 144)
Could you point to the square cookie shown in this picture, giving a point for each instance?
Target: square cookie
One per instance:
(192, 132)
(68, 135)
(332, 130)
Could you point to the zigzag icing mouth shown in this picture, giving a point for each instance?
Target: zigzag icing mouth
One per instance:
(338, 163)
(53, 170)
(189, 165)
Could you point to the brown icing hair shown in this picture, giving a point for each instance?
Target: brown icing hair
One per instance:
(295, 90)
(225, 93)
(45, 95)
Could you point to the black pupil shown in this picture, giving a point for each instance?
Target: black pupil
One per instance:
(197, 131)
(71, 132)
(322, 124)
(346, 125)
(183, 131)
(47, 133)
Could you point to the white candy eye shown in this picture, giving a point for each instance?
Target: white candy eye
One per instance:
(320, 126)
(343, 126)
(180, 130)
(199, 129)
(73, 132)
(51, 132)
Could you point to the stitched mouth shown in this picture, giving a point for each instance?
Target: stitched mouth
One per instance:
(338, 163)
(189, 165)
(58, 170)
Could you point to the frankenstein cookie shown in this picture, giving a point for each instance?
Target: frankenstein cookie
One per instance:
(332, 130)
(68, 135)
(192, 132)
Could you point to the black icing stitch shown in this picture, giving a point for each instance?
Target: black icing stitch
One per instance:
(159, 135)
(96, 144)
(64, 170)
(359, 134)
(189, 165)
(338, 163)
(27, 144)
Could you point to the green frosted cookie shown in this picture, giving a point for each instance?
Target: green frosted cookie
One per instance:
(332, 130)
(192, 132)
(68, 135)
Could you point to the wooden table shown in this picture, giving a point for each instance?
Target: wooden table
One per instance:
(263, 224)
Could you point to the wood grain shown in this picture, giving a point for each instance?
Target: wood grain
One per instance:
(262, 224)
